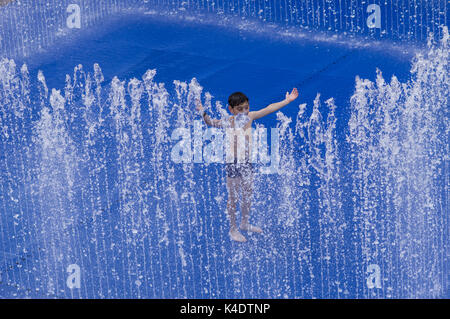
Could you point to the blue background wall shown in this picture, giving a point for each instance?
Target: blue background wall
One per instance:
(28, 25)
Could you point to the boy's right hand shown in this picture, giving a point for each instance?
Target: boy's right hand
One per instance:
(199, 106)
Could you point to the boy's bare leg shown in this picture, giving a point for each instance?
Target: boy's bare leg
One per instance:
(233, 196)
(246, 204)
(232, 188)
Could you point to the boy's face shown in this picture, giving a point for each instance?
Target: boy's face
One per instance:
(241, 108)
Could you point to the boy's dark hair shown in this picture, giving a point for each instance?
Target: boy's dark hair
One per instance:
(237, 98)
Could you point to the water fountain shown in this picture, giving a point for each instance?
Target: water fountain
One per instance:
(89, 187)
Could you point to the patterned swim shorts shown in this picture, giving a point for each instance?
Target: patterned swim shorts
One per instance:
(238, 169)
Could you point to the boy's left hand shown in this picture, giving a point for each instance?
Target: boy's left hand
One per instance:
(292, 96)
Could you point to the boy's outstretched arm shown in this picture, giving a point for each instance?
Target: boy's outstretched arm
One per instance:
(209, 121)
(274, 106)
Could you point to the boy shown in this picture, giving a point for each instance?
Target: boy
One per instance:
(240, 171)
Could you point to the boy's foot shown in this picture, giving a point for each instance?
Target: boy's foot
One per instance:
(248, 227)
(237, 236)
